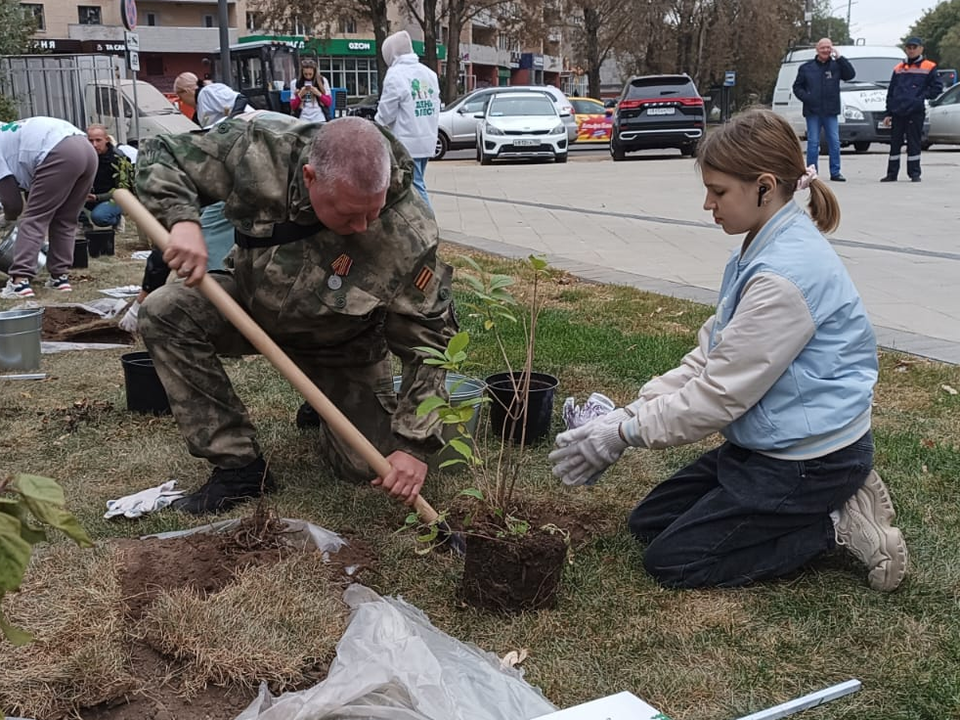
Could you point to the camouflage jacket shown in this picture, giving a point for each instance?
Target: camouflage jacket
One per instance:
(341, 300)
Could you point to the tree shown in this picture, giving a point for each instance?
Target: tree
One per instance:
(602, 27)
(940, 30)
(16, 27)
(284, 15)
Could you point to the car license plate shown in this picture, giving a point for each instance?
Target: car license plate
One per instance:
(881, 126)
(523, 142)
(660, 111)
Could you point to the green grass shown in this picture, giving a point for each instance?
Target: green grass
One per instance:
(694, 654)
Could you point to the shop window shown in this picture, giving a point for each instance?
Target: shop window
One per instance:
(89, 15)
(36, 12)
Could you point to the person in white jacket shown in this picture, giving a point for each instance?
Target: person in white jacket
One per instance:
(410, 104)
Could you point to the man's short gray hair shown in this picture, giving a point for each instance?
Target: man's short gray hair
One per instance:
(351, 150)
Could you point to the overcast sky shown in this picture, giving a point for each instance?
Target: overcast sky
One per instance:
(882, 22)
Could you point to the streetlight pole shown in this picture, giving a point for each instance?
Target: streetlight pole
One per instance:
(223, 19)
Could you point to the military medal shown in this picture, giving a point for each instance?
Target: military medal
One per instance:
(341, 267)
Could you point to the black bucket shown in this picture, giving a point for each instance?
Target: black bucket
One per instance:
(81, 258)
(145, 393)
(100, 242)
(506, 410)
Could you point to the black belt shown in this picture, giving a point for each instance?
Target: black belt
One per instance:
(282, 234)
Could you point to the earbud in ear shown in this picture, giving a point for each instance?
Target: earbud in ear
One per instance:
(760, 192)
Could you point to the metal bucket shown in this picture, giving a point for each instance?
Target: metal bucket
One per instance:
(7, 247)
(20, 339)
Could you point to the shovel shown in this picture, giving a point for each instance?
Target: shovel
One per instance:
(335, 419)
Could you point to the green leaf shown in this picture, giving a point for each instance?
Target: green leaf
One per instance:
(411, 519)
(429, 405)
(44, 498)
(461, 447)
(39, 488)
(15, 636)
(474, 283)
(498, 282)
(458, 343)
(471, 262)
(14, 553)
(432, 352)
(451, 462)
(472, 492)
(538, 262)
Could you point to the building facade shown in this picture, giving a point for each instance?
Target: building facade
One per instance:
(183, 35)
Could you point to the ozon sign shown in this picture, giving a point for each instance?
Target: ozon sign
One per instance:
(358, 45)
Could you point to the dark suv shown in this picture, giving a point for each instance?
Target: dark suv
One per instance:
(658, 111)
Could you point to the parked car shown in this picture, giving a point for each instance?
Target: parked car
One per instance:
(594, 121)
(458, 123)
(365, 107)
(658, 111)
(520, 125)
(944, 116)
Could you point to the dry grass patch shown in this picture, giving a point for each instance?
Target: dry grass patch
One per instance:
(278, 624)
(71, 602)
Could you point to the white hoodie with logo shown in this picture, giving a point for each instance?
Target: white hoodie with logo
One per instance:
(410, 101)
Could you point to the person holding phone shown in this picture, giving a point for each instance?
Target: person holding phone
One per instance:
(818, 87)
(311, 93)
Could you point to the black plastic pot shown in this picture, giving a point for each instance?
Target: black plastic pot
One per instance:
(81, 259)
(145, 393)
(506, 409)
(100, 242)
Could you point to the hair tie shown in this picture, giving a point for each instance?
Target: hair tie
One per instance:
(808, 177)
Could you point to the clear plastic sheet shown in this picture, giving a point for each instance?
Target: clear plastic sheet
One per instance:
(392, 663)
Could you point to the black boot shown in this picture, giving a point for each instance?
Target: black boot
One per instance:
(307, 417)
(227, 488)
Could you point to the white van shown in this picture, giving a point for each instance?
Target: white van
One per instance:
(863, 99)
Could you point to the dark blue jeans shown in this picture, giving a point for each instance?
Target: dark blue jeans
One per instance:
(735, 516)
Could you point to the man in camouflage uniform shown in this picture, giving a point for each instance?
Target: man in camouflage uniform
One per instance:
(335, 259)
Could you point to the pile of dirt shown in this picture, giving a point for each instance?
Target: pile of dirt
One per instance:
(67, 323)
(181, 628)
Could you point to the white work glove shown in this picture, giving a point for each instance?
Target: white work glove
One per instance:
(129, 320)
(584, 453)
(143, 502)
(596, 405)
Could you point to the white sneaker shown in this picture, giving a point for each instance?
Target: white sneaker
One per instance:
(17, 289)
(864, 528)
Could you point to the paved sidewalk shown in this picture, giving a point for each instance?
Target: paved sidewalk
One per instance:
(640, 223)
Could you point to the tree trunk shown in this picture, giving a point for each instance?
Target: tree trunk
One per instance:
(591, 41)
(430, 35)
(381, 29)
(455, 25)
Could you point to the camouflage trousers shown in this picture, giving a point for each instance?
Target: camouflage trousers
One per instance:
(186, 334)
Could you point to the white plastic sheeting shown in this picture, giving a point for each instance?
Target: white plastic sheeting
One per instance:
(393, 664)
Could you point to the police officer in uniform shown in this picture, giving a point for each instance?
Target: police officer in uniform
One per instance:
(335, 258)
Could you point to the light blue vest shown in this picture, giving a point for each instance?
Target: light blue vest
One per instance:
(822, 401)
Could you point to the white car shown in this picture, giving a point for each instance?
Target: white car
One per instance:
(458, 122)
(521, 125)
(944, 117)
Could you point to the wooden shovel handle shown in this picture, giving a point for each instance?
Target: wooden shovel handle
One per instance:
(337, 421)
